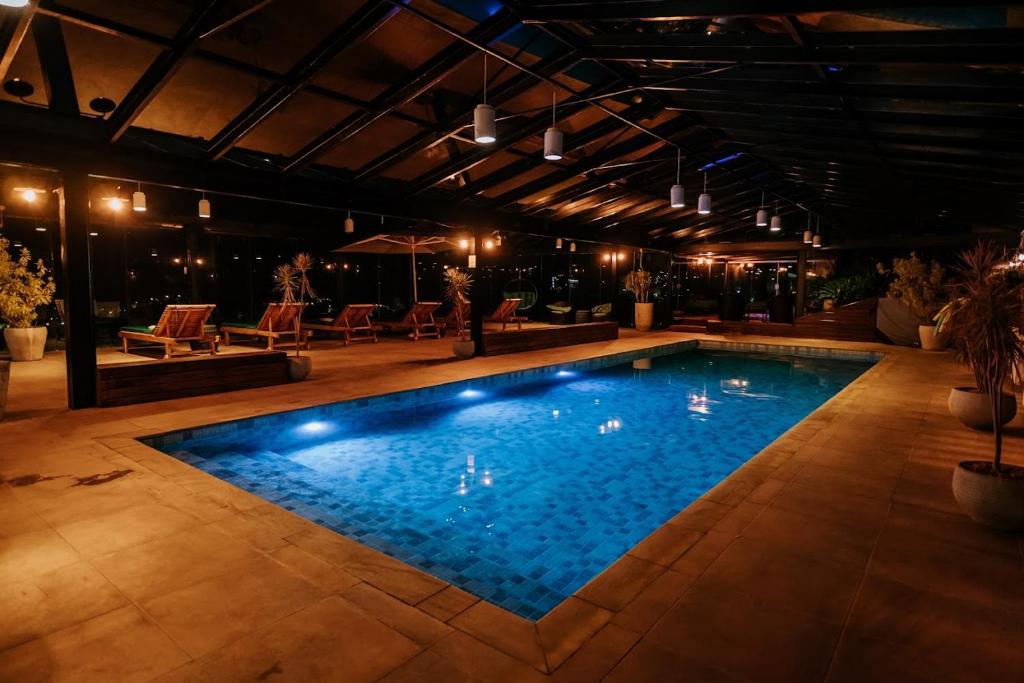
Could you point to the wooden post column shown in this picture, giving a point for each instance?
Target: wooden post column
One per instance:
(477, 295)
(76, 266)
(801, 283)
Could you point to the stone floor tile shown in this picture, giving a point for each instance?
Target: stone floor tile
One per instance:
(320, 573)
(666, 544)
(617, 585)
(898, 632)
(411, 622)
(597, 656)
(504, 631)
(127, 527)
(428, 667)
(482, 662)
(565, 628)
(448, 602)
(248, 595)
(39, 603)
(33, 553)
(813, 537)
(654, 601)
(329, 640)
(117, 646)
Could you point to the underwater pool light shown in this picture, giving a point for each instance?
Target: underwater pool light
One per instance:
(314, 427)
(470, 393)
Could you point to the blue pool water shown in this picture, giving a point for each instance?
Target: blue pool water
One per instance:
(521, 488)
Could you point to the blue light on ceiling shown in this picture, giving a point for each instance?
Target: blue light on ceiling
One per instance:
(720, 162)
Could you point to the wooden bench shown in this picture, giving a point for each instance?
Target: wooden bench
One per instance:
(119, 384)
(514, 341)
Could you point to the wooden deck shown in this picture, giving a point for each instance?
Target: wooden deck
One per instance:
(548, 336)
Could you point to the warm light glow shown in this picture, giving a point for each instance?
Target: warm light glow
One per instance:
(115, 203)
(463, 244)
(40, 229)
(177, 260)
(622, 256)
(488, 244)
(13, 3)
(204, 208)
(606, 257)
(29, 195)
(200, 261)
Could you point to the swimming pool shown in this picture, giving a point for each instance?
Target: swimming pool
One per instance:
(520, 488)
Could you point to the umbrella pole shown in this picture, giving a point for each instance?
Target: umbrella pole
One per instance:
(415, 295)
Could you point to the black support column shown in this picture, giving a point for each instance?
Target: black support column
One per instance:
(801, 283)
(73, 207)
(477, 295)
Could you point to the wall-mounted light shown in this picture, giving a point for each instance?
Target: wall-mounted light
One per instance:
(30, 194)
(204, 207)
(606, 257)
(463, 244)
(115, 203)
(488, 243)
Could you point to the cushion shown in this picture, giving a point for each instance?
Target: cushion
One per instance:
(559, 309)
(247, 325)
(601, 309)
(145, 329)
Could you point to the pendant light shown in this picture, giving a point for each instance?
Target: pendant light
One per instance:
(762, 214)
(816, 241)
(558, 243)
(484, 126)
(139, 200)
(350, 225)
(704, 200)
(572, 246)
(677, 195)
(553, 137)
(204, 207)
(776, 225)
(808, 235)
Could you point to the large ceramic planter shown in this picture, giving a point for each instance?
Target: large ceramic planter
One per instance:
(974, 410)
(5, 380)
(299, 367)
(828, 305)
(25, 343)
(643, 316)
(993, 500)
(932, 340)
(463, 348)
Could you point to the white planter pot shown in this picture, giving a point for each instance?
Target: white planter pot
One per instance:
(643, 316)
(25, 343)
(974, 409)
(930, 341)
(828, 305)
(299, 367)
(463, 348)
(996, 501)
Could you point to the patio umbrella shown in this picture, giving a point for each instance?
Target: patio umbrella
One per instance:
(400, 244)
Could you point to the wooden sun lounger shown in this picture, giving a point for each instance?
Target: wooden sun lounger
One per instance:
(178, 323)
(353, 319)
(505, 314)
(419, 320)
(279, 321)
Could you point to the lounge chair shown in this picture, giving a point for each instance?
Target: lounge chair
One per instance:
(279, 321)
(451, 321)
(353, 319)
(560, 313)
(178, 323)
(419, 320)
(505, 314)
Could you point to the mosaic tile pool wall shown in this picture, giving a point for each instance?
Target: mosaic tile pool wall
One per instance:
(520, 488)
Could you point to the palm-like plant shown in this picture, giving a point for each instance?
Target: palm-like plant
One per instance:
(638, 283)
(983, 317)
(456, 290)
(285, 281)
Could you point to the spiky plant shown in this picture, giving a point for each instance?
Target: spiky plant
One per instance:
(983, 317)
(638, 283)
(456, 289)
(301, 265)
(285, 281)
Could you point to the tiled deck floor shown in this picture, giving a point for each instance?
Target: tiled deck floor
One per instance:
(836, 554)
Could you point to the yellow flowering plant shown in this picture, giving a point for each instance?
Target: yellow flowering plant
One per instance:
(918, 285)
(23, 288)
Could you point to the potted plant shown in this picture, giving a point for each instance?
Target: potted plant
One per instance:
(983, 315)
(920, 287)
(290, 278)
(23, 289)
(457, 284)
(984, 298)
(638, 283)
